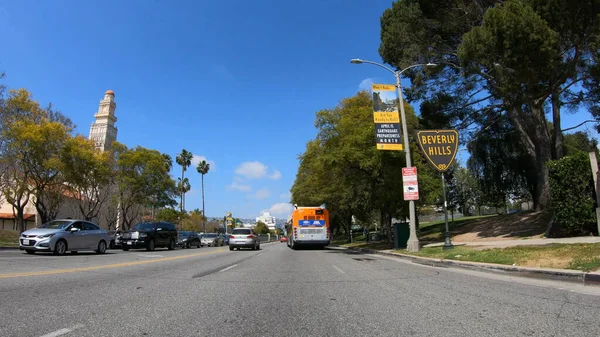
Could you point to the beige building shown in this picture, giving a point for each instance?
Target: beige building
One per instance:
(103, 132)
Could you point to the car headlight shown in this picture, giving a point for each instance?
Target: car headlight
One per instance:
(184, 239)
(143, 235)
(45, 236)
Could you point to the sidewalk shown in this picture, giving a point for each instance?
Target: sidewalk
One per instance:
(522, 242)
(564, 275)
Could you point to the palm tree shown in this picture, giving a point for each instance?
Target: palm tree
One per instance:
(203, 168)
(184, 159)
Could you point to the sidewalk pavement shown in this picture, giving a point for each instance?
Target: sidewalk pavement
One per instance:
(564, 275)
(520, 242)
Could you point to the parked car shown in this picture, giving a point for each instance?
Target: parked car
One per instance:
(211, 240)
(115, 239)
(62, 235)
(150, 235)
(188, 239)
(244, 238)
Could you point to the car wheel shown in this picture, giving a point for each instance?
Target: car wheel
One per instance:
(60, 248)
(171, 245)
(198, 246)
(101, 247)
(112, 244)
(125, 249)
(254, 247)
(230, 248)
(30, 251)
(151, 245)
(258, 248)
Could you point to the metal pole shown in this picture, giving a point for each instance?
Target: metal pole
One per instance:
(413, 240)
(447, 243)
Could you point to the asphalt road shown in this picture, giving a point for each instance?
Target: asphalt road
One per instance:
(277, 292)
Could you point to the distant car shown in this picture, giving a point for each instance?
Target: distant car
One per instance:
(60, 236)
(115, 239)
(211, 240)
(244, 238)
(150, 235)
(283, 239)
(188, 239)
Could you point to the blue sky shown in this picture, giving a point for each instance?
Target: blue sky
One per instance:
(234, 82)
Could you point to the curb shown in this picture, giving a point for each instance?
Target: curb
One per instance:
(8, 247)
(565, 275)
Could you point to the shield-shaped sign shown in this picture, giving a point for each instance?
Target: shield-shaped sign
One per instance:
(439, 146)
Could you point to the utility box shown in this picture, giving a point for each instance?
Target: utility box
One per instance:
(401, 234)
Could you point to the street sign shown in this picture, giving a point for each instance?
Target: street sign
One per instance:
(439, 147)
(410, 183)
(387, 120)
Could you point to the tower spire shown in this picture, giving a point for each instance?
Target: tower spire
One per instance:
(103, 131)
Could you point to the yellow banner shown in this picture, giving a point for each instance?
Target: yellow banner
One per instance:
(383, 87)
(395, 147)
(386, 117)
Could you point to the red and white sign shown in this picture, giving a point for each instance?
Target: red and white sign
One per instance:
(410, 183)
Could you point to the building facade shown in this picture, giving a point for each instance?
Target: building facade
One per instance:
(268, 220)
(103, 131)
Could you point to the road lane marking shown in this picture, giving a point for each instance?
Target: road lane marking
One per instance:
(63, 331)
(222, 270)
(149, 255)
(259, 254)
(105, 266)
(338, 269)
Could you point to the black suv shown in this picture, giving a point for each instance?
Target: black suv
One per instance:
(150, 235)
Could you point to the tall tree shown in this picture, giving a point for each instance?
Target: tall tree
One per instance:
(89, 175)
(141, 176)
(184, 159)
(203, 168)
(499, 60)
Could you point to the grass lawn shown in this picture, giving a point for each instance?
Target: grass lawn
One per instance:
(9, 237)
(584, 257)
(433, 231)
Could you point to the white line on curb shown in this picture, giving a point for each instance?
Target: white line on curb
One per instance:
(338, 269)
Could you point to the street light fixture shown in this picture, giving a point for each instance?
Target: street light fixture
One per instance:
(413, 240)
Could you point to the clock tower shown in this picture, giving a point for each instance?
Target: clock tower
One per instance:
(103, 131)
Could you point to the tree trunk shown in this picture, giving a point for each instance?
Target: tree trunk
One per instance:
(203, 211)
(557, 134)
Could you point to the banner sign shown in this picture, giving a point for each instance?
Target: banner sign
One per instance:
(439, 146)
(386, 117)
(311, 222)
(410, 183)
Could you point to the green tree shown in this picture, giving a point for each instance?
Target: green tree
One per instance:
(89, 175)
(142, 175)
(168, 214)
(184, 159)
(499, 60)
(203, 168)
(261, 228)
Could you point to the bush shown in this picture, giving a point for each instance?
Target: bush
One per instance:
(572, 194)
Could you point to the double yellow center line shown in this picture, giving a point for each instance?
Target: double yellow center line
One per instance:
(105, 266)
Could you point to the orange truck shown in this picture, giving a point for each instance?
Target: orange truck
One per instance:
(308, 226)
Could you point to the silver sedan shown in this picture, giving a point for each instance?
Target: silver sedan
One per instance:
(60, 236)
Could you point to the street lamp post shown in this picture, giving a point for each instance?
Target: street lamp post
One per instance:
(413, 240)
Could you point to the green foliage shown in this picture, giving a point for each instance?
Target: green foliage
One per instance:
(342, 167)
(142, 179)
(261, 228)
(167, 214)
(571, 190)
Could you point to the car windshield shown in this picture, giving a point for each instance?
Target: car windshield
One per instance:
(210, 235)
(57, 224)
(241, 231)
(184, 233)
(143, 226)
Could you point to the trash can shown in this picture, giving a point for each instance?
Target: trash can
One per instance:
(374, 236)
(401, 235)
